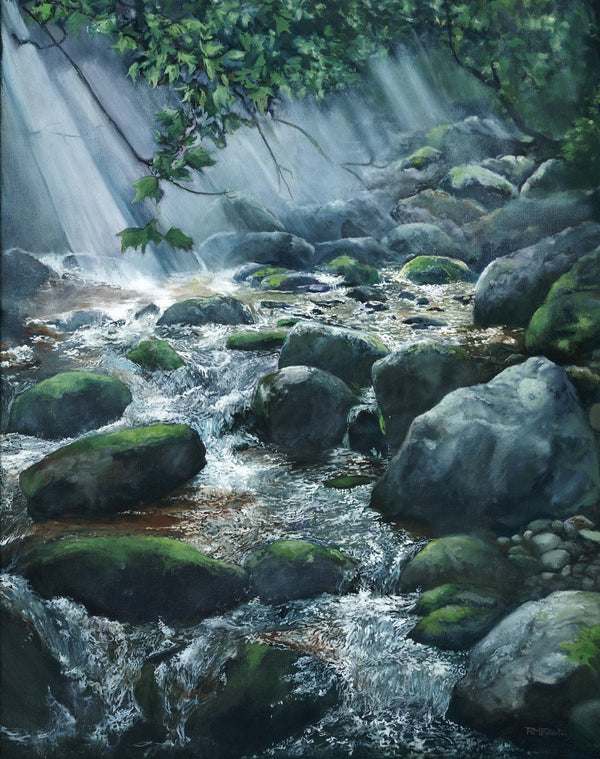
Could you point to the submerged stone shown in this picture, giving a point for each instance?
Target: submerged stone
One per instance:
(110, 471)
(256, 341)
(68, 404)
(134, 578)
(217, 309)
(155, 355)
(291, 569)
(347, 481)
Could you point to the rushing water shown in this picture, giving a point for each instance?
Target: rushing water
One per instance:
(393, 693)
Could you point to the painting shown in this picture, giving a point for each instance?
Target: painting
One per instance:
(300, 346)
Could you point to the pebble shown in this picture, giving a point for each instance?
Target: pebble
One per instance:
(545, 541)
(554, 560)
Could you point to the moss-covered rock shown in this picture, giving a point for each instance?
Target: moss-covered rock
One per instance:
(218, 309)
(567, 325)
(479, 184)
(288, 281)
(459, 559)
(420, 239)
(456, 594)
(347, 353)
(353, 272)
(155, 355)
(68, 404)
(422, 157)
(110, 471)
(134, 578)
(289, 321)
(441, 205)
(302, 409)
(436, 270)
(256, 702)
(455, 627)
(256, 341)
(366, 431)
(290, 569)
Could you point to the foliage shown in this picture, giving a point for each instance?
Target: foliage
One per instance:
(229, 62)
(585, 649)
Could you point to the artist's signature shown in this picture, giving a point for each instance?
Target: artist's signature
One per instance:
(546, 732)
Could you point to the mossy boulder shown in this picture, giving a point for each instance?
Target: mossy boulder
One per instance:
(479, 184)
(257, 702)
(302, 410)
(367, 250)
(436, 270)
(347, 353)
(422, 157)
(155, 355)
(289, 569)
(110, 471)
(352, 271)
(567, 325)
(288, 281)
(134, 578)
(459, 559)
(420, 239)
(472, 139)
(256, 341)
(456, 627)
(69, 403)
(217, 309)
(440, 205)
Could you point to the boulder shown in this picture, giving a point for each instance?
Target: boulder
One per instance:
(69, 403)
(257, 341)
(218, 309)
(365, 431)
(511, 288)
(412, 380)
(276, 248)
(366, 294)
(567, 325)
(110, 471)
(289, 569)
(155, 355)
(472, 139)
(501, 453)
(134, 578)
(551, 177)
(442, 206)
(347, 353)
(91, 317)
(290, 281)
(435, 270)
(515, 168)
(365, 249)
(410, 240)
(352, 271)
(521, 675)
(22, 274)
(583, 726)
(478, 184)
(302, 409)
(456, 627)
(248, 215)
(459, 559)
(422, 157)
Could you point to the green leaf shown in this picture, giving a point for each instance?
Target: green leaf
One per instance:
(199, 158)
(134, 72)
(147, 187)
(178, 239)
(139, 237)
(43, 11)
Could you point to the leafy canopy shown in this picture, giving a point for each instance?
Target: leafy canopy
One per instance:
(230, 62)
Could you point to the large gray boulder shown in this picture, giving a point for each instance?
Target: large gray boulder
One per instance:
(511, 288)
(22, 274)
(501, 453)
(521, 674)
(302, 410)
(368, 250)
(472, 139)
(410, 240)
(413, 379)
(213, 309)
(478, 184)
(278, 248)
(347, 353)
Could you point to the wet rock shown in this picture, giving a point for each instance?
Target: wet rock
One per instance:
(472, 139)
(413, 379)
(109, 471)
(69, 403)
(554, 561)
(147, 311)
(352, 271)
(478, 184)
(291, 281)
(22, 274)
(435, 270)
(502, 453)
(155, 355)
(459, 559)
(545, 541)
(567, 324)
(511, 288)
(92, 317)
(256, 341)
(515, 168)
(364, 294)
(441, 206)
(276, 248)
(13, 320)
(521, 673)
(134, 579)
(247, 214)
(367, 250)
(258, 700)
(347, 353)
(365, 433)
(410, 240)
(31, 677)
(455, 627)
(291, 569)
(218, 309)
(583, 726)
(423, 322)
(302, 409)
(551, 177)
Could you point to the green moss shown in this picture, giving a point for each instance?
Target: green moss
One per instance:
(435, 136)
(354, 272)
(296, 551)
(436, 623)
(435, 270)
(436, 598)
(348, 481)
(253, 341)
(461, 177)
(422, 157)
(68, 383)
(452, 594)
(288, 322)
(155, 355)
